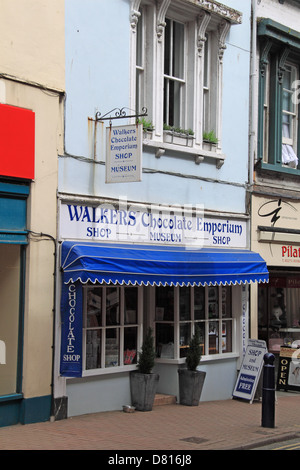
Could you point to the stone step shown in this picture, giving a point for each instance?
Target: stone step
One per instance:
(163, 399)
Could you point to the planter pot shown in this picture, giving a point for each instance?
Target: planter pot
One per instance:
(211, 146)
(190, 386)
(143, 389)
(147, 134)
(178, 139)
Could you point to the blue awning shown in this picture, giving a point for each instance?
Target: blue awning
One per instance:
(159, 265)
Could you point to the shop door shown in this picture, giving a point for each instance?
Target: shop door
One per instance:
(10, 303)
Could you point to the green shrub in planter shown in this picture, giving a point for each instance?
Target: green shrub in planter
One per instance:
(143, 383)
(146, 358)
(191, 380)
(193, 356)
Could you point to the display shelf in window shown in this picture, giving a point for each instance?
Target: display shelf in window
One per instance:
(213, 302)
(111, 349)
(213, 338)
(164, 338)
(184, 338)
(93, 349)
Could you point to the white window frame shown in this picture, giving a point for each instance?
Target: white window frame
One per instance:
(103, 328)
(206, 84)
(176, 323)
(198, 22)
(171, 78)
(140, 67)
(292, 139)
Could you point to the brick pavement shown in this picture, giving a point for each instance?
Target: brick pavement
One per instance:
(219, 425)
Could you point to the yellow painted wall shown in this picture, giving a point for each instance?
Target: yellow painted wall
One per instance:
(32, 40)
(32, 76)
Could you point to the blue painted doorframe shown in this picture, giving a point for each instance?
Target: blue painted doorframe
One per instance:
(13, 214)
(13, 205)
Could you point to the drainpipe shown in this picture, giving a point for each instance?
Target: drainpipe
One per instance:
(42, 236)
(253, 98)
(252, 149)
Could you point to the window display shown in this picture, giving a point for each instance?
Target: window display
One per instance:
(279, 312)
(111, 326)
(207, 307)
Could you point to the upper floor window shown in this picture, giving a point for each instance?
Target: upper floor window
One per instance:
(278, 131)
(174, 72)
(140, 67)
(178, 66)
(289, 115)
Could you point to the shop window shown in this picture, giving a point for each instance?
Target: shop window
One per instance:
(111, 329)
(179, 310)
(279, 312)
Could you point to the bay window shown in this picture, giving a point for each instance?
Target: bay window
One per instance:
(278, 129)
(179, 310)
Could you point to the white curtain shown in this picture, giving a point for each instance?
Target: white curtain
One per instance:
(288, 155)
(293, 307)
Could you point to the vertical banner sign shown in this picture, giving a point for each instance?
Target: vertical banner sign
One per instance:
(250, 370)
(71, 331)
(124, 153)
(288, 377)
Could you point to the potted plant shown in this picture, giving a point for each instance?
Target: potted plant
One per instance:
(209, 140)
(148, 128)
(143, 382)
(191, 380)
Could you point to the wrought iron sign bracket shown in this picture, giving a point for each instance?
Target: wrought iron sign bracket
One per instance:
(120, 113)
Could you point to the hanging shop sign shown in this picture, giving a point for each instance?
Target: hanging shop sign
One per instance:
(124, 153)
(288, 377)
(250, 371)
(71, 330)
(158, 224)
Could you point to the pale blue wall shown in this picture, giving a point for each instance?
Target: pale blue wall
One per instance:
(111, 392)
(97, 79)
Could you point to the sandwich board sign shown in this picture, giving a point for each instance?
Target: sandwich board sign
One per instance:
(250, 371)
(288, 377)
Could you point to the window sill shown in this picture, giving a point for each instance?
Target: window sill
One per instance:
(124, 369)
(13, 396)
(204, 359)
(107, 370)
(279, 169)
(199, 154)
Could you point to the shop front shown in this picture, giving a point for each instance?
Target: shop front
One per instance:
(13, 241)
(124, 268)
(16, 169)
(276, 236)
